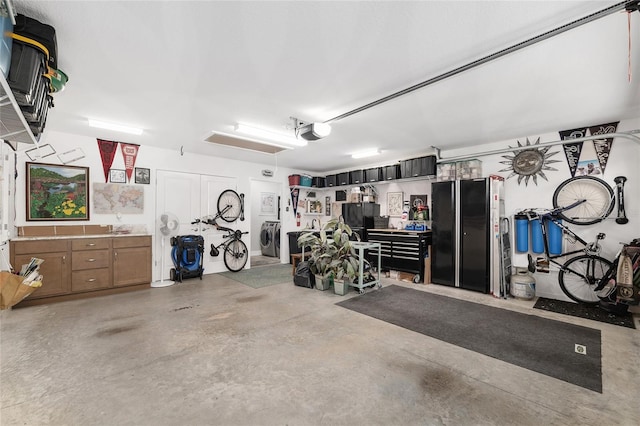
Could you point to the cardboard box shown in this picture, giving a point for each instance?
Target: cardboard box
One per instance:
(12, 290)
(427, 267)
(406, 277)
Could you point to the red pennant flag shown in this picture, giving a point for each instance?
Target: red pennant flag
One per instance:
(107, 153)
(129, 152)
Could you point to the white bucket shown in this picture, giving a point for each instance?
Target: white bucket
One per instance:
(523, 285)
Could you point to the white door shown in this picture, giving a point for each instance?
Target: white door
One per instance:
(188, 196)
(210, 189)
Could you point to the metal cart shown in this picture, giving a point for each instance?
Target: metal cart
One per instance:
(361, 247)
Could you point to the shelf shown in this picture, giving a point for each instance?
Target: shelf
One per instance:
(13, 126)
(365, 184)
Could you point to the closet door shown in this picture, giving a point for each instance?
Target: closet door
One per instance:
(474, 235)
(176, 194)
(190, 196)
(210, 189)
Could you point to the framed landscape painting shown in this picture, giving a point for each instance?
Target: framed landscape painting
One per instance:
(57, 192)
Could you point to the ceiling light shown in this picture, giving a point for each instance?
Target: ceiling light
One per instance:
(313, 131)
(267, 134)
(365, 154)
(116, 127)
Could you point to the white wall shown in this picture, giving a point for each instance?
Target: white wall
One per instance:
(154, 159)
(624, 160)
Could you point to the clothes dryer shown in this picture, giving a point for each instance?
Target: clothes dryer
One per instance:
(269, 238)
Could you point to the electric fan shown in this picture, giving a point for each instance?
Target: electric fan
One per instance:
(168, 225)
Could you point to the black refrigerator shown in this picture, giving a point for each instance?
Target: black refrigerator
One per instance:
(465, 246)
(359, 217)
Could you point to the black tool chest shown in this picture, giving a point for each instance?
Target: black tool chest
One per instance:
(402, 250)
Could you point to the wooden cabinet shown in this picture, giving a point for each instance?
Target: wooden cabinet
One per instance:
(55, 268)
(131, 261)
(85, 266)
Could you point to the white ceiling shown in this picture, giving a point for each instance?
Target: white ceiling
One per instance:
(182, 69)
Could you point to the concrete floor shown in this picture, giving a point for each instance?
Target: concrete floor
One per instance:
(217, 352)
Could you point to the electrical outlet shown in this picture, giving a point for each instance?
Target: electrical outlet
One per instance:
(581, 349)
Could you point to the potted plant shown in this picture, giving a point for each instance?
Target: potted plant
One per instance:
(332, 254)
(320, 255)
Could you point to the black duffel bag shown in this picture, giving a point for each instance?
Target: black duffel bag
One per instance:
(303, 276)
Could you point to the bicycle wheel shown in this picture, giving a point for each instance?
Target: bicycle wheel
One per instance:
(235, 255)
(597, 195)
(580, 276)
(229, 205)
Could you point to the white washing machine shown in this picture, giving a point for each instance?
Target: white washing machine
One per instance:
(270, 239)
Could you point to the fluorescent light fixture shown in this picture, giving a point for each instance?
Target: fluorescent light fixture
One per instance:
(365, 154)
(117, 127)
(278, 138)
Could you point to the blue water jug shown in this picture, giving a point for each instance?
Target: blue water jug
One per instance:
(555, 237)
(537, 240)
(522, 232)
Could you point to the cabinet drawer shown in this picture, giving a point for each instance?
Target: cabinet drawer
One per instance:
(90, 244)
(91, 259)
(91, 279)
(141, 241)
(39, 246)
(378, 237)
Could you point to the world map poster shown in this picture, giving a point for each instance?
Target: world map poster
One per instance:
(114, 198)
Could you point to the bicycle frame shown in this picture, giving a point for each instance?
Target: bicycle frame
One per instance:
(568, 231)
(235, 250)
(232, 234)
(589, 249)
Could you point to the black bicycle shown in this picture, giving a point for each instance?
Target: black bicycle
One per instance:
(235, 250)
(580, 277)
(585, 200)
(582, 200)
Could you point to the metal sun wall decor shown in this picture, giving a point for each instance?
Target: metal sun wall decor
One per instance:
(529, 163)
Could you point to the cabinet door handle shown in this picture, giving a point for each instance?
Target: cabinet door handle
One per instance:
(64, 259)
(91, 260)
(115, 256)
(90, 280)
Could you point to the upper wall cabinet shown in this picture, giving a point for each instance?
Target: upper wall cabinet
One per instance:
(407, 169)
(423, 166)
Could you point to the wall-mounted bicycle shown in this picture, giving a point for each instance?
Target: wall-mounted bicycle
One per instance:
(583, 200)
(235, 252)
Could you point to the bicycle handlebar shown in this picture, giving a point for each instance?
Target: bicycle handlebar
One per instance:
(212, 222)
